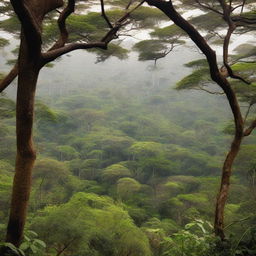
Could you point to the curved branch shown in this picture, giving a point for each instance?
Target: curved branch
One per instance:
(53, 54)
(227, 9)
(110, 35)
(70, 8)
(4, 83)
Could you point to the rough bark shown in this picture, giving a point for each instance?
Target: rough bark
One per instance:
(27, 79)
(224, 187)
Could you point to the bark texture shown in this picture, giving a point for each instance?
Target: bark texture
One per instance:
(27, 79)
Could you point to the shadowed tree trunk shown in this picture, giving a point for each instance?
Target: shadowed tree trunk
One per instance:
(27, 79)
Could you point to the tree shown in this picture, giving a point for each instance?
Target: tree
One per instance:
(79, 227)
(114, 172)
(32, 58)
(220, 77)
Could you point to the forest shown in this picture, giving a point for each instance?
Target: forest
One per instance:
(127, 128)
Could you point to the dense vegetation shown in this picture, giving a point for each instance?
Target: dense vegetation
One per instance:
(129, 167)
(123, 170)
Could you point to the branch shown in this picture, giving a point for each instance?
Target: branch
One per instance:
(249, 130)
(208, 7)
(237, 221)
(227, 9)
(30, 26)
(4, 83)
(103, 14)
(248, 111)
(70, 8)
(53, 54)
(248, 21)
(242, 9)
(129, 4)
(65, 246)
(110, 35)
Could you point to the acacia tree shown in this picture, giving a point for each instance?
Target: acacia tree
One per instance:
(219, 74)
(32, 58)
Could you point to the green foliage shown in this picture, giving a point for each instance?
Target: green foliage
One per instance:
(8, 249)
(147, 16)
(126, 187)
(214, 21)
(6, 172)
(241, 67)
(44, 113)
(114, 172)
(150, 49)
(195, 239)
(81, 224)
(146, 149)
(245, 51)
(3, 42)
(11, 24)
(167, 32)
(196, 79)
(66, 152)
(114, 50)
(7, 108)
(31, 245)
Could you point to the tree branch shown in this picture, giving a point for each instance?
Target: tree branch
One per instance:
(4, 83)
(70, 8)
(248, 21)
(248, 111)
(227, 9)
(53, 54)
(249, 130)
(103, 14)
(110, 35)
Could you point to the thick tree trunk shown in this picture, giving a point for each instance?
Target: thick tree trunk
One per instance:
(27, 79)
(224, 187)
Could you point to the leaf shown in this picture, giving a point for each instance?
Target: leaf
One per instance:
(201, 227)
(33, 248)
(40, 242)
(24, 246)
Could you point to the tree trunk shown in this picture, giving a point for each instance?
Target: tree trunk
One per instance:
(224, 187)
(27, 79)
